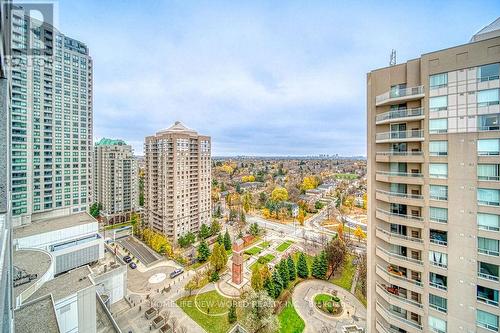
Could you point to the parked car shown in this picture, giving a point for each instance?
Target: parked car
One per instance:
(127, 259)
(132, 265)
(176, 272)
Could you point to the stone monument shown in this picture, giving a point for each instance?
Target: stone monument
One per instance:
(237, 269)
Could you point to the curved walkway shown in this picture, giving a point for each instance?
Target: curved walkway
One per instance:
(316, 321)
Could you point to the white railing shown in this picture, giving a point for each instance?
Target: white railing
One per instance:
(399, 93)
(438, 308)
(400, 298)
(399, 153)
(392, 234)
(489, 178)
(408, 217)
(438, 264)
(399, 317)
(438, 242)
(488, 252)
(400, 135)
(400, 174)
(438, 286)
(487, 301)
(401, 195)
(399, 277)
(401, 113)
(488, 276)
(399, 256)
(487, 326)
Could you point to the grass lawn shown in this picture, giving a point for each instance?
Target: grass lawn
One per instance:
(309, 259)
(262, 260)
(117, 225)
(343, 277)
(264, 245)
(290, 321)
(346, 176)
(283, 246)
(217, 304)
(253, 251)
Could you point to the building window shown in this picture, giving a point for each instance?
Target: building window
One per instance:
(489, 172)
(438, 103)
(438, 148)
(487, 320)
(488, 147)
(438, 303)
(487, 295)
(488, 97)
(438, 126)
(438, 170)
(398, 90)
(488, 246)
(487, 271)
(488, 197)
(438, 214)
(437, 325)
(438, 192)
(489, 122)
(438, 80)
(488, 72)
(438, 259)
(489, 222)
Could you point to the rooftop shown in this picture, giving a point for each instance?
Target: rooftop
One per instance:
(65, 284)
(36, 316)
(104, 323)
(178, 127)
(52, 224)
(110, 142)
(30, 262)
(489, 31)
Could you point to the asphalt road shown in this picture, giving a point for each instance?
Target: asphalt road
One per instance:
(138, 250)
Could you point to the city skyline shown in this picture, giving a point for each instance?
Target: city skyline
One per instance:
(295, 86)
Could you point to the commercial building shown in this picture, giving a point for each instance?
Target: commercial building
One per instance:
(177, 181)
(434, 190)
(51, 121)
(116, 185)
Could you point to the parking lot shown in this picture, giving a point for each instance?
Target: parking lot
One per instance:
(139, 250)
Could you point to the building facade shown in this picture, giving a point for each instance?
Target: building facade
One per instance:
(434, 190)
(177, 181)
(115, 180)
(51, 121)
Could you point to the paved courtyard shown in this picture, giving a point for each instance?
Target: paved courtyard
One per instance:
(139, 250)
(318, 322)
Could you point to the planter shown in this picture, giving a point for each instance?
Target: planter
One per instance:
(158, 321)
(150, 313)
(166, 329)
(329, 304)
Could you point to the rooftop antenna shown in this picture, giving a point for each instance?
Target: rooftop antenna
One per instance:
(392, 62)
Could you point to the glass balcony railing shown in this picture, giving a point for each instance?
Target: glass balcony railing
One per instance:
(404, 237)
(488, 276)
(400, 135)
(398, 275)
(394, 294)
(400, 256)
(401, 195)
(402, 93)
(404, 216)
(400, 174)
(401, 113)
(399, 153)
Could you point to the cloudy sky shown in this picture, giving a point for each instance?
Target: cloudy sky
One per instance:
(259, 77)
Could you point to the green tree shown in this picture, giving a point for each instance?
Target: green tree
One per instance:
(227, 241)
(269, 286)
(302, 268)
(204, 231)
(214, 227)
(231, 315)
(220, 239)
(320, 266)
(214, 276)
(283, 270)
(256, 280)
(243, 217)
(95, 209)
(278, 284)
(259, 313)
(254, 229)
(292, 272)
(203, 251)
(186, 240)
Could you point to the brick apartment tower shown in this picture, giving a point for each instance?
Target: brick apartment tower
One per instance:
(434, 191)
(237, 276)
(177, 181)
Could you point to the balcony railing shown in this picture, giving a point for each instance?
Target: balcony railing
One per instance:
(400, 174)
(408, 217)
(401, 195)
(400, 135)
(399, 256)
(400, 277)
(488, 276)
(399, 94)
(438, 285)
(399, 153)
(397, 114)
(399, 317)
(438, 241)
(487, 301)
(488, 252)
(489, 178)
(392, 234)
(398, 297)
(438, 308)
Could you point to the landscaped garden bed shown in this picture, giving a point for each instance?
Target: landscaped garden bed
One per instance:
(262, 260)
(284, 246)
(329, 304)
(253, 251)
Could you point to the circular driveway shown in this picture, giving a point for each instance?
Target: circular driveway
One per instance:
(316, 321)
(154, 278)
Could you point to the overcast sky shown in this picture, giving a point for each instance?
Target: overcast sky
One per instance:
(259, 77)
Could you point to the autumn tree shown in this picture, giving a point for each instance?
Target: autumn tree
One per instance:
(256, 279)
(301, 216)
(336, 254)
(359, 233)
(214, 227)
(259, 313)
(279, 194)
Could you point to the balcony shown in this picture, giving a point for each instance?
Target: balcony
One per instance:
(389, 315)
(400, 95)
(398, 258)
(415, 178)
(400, 156)
(400, 136)
(398, 239)
(401, 198)
(400, 115)
(391, 295)
(397, 218)
(394, 276)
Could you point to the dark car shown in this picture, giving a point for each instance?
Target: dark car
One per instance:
(127, 259)
(176, 272)
(132, 265)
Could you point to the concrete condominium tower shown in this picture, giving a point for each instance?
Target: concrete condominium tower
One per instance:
(434, 190)
(115, 180)
(51, 121)
(177, 181)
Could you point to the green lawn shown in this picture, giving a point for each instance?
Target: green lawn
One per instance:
(344, 275)
(283, 246)
(264, 245)
(346, 176)
(253, 251)
(262, 260)
(210, 300)
(290, 321)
